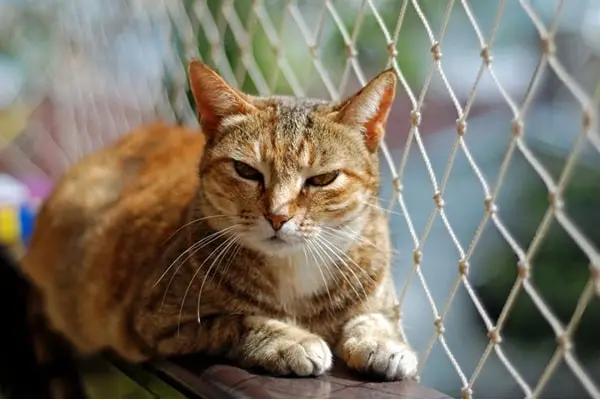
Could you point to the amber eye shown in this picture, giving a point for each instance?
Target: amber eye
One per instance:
(246, 171)
(323, 179)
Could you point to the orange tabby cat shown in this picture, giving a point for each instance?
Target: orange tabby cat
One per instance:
(260, 240)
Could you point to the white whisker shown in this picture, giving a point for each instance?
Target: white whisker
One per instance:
(193, 248)
(337, 252)
(218, 248)
(340, 252)
(319, 245)
(195, 221)
(318, 266)
(230, 242)
(383, 210)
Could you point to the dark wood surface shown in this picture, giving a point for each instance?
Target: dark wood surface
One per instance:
(206, 377)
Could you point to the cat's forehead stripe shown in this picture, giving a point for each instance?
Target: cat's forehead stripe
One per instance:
(294, 120)
(291, 121)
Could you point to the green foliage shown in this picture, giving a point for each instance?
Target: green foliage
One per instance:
(370, 44)
(560, 268)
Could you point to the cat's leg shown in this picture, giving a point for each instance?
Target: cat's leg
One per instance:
(282, 348)
(252, 341)
(372, 343)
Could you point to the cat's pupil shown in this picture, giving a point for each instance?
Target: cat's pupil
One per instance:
(246, 171)
(323, 179)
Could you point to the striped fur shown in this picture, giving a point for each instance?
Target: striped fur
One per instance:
(157, 246)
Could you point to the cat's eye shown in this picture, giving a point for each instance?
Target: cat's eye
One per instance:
(323, 179)
(246, 171)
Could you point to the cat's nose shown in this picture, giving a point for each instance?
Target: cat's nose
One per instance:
(276, 220)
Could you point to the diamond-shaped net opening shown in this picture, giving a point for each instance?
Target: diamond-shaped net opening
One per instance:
(491, 160)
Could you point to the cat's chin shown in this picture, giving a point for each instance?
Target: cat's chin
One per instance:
(277, 247)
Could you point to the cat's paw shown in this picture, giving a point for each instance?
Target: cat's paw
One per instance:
(305, 356)
(389, 359)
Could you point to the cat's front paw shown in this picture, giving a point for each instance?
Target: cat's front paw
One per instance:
(304, 356)
(387, 358)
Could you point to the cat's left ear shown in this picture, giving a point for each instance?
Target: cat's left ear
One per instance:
(215, 99)
(368, 109)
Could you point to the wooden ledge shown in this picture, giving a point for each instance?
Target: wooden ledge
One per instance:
(205, 377)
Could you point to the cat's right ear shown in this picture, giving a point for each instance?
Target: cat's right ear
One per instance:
(215, 99)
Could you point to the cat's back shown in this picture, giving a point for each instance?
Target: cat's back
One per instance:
(108, 215)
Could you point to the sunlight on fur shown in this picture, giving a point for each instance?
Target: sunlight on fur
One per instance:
(261, 239)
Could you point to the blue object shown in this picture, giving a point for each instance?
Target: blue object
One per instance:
(27, 220)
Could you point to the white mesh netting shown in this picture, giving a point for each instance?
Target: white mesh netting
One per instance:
(86, 73)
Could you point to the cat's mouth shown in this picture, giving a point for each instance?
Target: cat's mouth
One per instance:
(276, 239)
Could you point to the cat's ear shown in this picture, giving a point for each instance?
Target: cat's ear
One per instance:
(215, 99)
(368, 109)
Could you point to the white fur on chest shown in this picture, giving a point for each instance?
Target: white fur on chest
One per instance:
(301, 278)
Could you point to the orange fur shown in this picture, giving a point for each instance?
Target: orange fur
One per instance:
(161, 244)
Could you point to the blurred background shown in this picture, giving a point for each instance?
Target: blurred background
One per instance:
(74, 75)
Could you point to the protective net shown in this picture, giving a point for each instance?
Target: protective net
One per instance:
(499, 275)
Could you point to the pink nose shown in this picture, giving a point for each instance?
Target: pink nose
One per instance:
(277, 221)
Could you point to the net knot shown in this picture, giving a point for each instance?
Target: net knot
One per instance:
(461, 127)
(548, 45)
(523, 269)
(397, 184)
(517, 127)
(564, 342)
(439, 326)
(490, 207)
(436, 51)
(586, 118)
(417, 256)
(439, 201)
(494, 336)
(463, 266)
(391, 49)
(415, 118)
(466, 392)
(351, 51)
(312, 50)
(485, 55)
(595, 277)
(555, 200)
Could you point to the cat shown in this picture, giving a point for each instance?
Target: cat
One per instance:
(259, 238)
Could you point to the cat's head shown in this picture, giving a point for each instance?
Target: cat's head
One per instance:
(287, 173)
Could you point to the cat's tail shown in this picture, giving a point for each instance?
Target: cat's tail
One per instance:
(34, 361)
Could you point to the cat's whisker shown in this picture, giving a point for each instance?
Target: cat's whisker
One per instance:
(347, 233)
(337, 252)
(380, 199)
(341, 234)
(318, 266)
(187, 289)
(341, 253)
(194, 249)
(216, 262)
(315, 250)
(232, 259)
(195, 221)
(319, 245)
(312, 251)
(202, 242)
(383, 210)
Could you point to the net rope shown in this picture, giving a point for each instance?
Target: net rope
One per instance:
(186, 23)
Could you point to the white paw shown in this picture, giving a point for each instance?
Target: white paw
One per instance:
(309, 355)
(390, 359)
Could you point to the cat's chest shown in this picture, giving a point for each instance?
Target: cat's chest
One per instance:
(299, 279)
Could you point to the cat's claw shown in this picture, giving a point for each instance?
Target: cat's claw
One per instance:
(389, 359)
